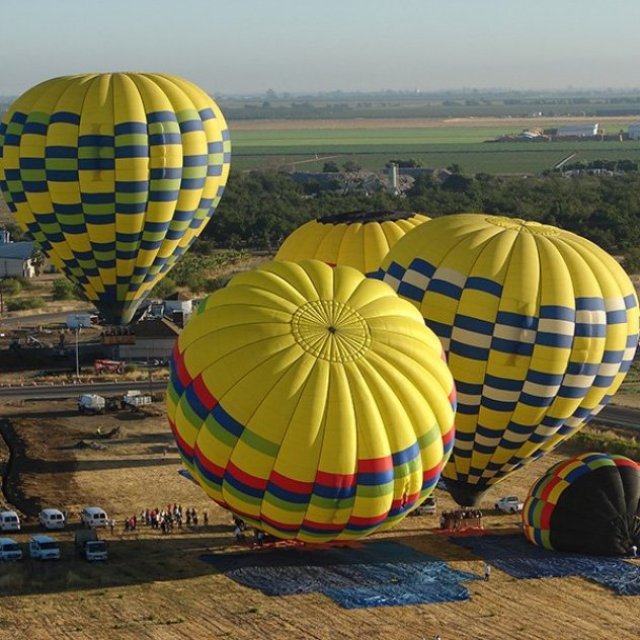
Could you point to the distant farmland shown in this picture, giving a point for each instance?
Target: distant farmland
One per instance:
(435, 143)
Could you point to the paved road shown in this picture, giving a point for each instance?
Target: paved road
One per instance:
(622, 417)
(41, 319)
(611, 416)
(57, 392)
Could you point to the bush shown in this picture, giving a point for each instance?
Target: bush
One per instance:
(163, 289)
(63, 289)
(21, 304)
(10, 286)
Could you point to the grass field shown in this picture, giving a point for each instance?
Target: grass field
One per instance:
(436, 143)
(156, 587)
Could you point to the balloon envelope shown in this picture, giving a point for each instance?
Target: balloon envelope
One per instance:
(539, 325)
(359, 239)
(311, 401)
(114, 176)
(587, 504)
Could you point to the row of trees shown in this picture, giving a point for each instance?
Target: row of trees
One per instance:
(259, 209)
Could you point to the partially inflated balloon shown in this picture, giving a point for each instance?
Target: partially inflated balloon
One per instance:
(311, 401)
(539, 326)
(114, 176)
(586, 504)
(359, 239)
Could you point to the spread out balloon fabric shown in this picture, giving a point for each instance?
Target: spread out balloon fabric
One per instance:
(114, 176)
(539, 326)
(586, 504)
(359, 239)
(311, 401)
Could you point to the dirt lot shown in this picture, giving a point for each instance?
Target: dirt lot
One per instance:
(157, 587)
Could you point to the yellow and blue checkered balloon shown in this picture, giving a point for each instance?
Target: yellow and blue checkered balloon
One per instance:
(114, 176)
(539, 326)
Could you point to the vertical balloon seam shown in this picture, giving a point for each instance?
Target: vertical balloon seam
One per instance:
(518, 453)
(475, 478)
(452, 250)
(580, 250)
(93, 294)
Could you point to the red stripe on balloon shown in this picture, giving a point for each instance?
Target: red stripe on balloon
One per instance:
(246, 478)
(322, 526)
(292, 528)
(401, 502)
(626, 462)
(367, 522)
(375, 465)
(209, 466)
(204, 395)
(545, 515)
(288, 484)
(181, 369)
(554, 481)
(448, 436)
(430, 474)
(182, 443)
(336, 480)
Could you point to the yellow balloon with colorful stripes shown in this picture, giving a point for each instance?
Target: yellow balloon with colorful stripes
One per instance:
(539, 325)
(312, 402)
(359, 239)
(114, 176)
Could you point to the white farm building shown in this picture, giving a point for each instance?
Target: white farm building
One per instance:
(578, 130)
(634, 131)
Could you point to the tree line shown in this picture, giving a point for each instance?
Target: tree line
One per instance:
(259, 209)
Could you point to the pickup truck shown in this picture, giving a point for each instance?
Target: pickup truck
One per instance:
(509, 504)
(134, 400)
(89, 546)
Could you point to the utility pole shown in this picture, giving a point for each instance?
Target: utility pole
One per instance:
(77, 350)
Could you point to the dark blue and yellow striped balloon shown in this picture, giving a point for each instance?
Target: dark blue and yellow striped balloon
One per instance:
(540, 327)
(114, 176)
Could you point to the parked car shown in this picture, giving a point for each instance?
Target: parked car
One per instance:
(89, 546)
(509, 504)
(9, 549)
(51, 519)
(9, 521)
(93, 517)
(44, 548)
(429, 506)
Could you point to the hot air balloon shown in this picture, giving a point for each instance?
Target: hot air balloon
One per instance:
(539, 325)
(587, 504)
(114, 176)
(359, 239)
(312, 402)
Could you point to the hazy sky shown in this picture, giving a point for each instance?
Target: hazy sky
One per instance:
(242, 46)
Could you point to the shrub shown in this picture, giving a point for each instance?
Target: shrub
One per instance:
(10, 286)
(163, 289)
(63, 290)
(21, 304)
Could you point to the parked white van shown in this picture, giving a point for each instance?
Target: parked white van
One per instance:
(51, 519)
(44, 548)
(94, 517)
(9, 521)
(9, 549)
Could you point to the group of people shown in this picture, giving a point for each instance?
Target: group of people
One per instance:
(167, 518)
(461, 519)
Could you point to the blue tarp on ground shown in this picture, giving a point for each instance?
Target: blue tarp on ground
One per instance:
(374, 575)
(520, 559)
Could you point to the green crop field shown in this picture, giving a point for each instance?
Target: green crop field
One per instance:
(433, 146)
